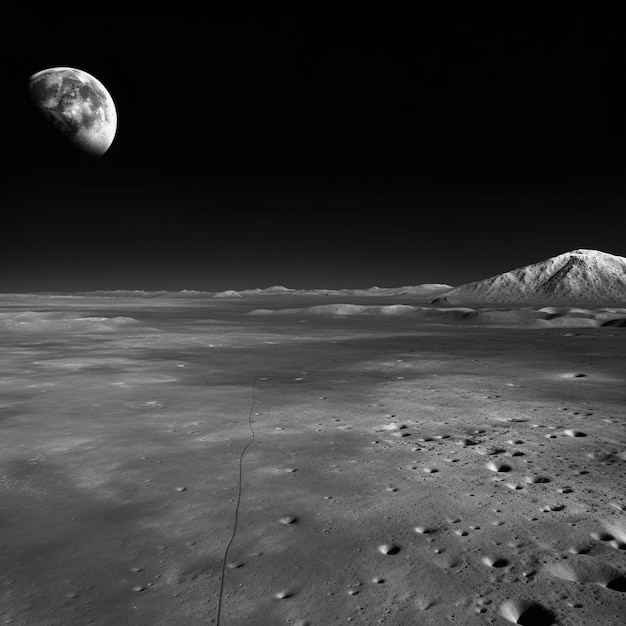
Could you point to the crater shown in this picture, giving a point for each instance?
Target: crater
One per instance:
(526, 613)
(389, 548)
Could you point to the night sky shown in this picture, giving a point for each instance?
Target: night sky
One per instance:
(303, 153)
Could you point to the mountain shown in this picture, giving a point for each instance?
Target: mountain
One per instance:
(579, 276)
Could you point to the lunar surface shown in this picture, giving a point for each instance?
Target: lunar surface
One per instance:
(277, 458)
(78, 105)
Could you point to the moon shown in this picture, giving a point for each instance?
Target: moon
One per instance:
(77, 105)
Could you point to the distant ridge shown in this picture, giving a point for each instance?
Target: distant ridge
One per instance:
(424, 290)
(429, 289)
(576, 277)
(229, 293)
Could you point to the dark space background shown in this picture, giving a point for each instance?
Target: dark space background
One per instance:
(312, 153)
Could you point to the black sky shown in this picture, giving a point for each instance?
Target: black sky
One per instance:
(251, 153)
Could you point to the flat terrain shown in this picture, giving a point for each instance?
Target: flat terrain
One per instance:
(397, 471)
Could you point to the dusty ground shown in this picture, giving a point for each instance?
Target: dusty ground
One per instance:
(400, 472)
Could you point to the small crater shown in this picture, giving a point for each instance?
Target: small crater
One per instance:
(603, 536)
(495, 561)
(607, 458)
(536, 616)
(424, 603)
(526, 613)
(584, 571)
(499, 467)
(536, 480)
(389, 548)
(570, 432)
(465, 442)
(552, 507)
(392, 427)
